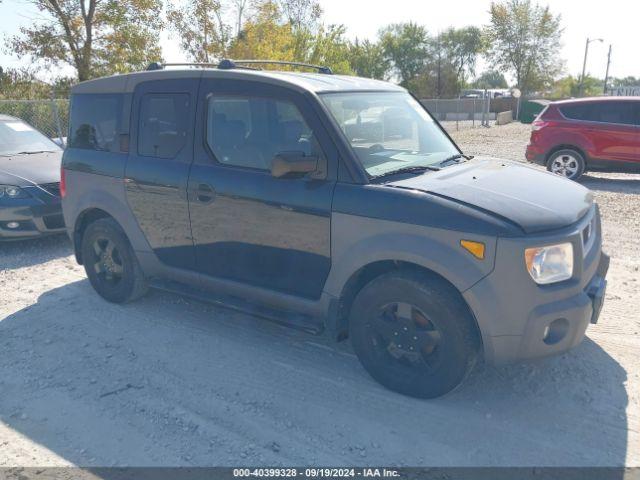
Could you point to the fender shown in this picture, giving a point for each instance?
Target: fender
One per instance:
(359, 241)
(103, 193)
(565, 138)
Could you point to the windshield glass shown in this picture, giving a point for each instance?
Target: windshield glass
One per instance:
(389, 130)
(19, 137)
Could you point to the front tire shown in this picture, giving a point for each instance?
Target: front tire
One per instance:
(567, 163)
(413, 333)
(110, 262)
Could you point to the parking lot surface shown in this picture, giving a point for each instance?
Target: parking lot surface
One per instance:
(172, 381)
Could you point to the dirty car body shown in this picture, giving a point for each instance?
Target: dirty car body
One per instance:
(310, 199)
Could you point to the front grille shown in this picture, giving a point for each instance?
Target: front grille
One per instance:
(53, 222)
(52, 188)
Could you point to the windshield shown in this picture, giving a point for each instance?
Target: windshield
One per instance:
(389, 131)
(19, 137)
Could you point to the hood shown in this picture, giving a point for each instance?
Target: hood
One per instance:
(535, 200)
(24, 170)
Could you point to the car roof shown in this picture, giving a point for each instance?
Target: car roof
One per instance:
(305, 82)
(9, 118)
(597, 99)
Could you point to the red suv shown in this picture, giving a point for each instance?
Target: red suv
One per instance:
(574, 136)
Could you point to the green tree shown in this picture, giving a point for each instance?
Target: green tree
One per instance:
(367, 59)
(22, 84)
(624, 82)
(437, 80)
(301, 14)
(95, 37)
(240, 7)
(524, 39)
(569, 86)
(270, 35)
(490, 79)
(199, 25)
(408, 48)
(462, 47)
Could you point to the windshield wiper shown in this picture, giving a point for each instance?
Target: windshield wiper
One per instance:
(414, 169)
(457, 158)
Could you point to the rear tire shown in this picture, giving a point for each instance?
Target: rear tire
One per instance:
(413, 333)
(567, 163)
(110, 263)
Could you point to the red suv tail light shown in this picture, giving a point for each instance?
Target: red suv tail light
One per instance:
(63, 183)
(538, 124)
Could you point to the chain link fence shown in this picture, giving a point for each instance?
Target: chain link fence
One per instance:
(51, 117)
(469, 112)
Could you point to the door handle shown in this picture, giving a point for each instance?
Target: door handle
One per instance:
(205, 193)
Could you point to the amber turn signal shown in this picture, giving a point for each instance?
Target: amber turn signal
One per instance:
(474, 248)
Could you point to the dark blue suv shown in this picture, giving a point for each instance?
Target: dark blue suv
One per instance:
(330, 203)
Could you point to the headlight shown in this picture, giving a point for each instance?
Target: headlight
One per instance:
(550, 264)
(12, 191)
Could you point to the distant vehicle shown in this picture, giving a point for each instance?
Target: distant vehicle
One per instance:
(331, 203)
(490, 93)
(29, 182)
(572, 137)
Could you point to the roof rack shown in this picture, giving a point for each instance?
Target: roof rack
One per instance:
(233, 63)
(227, 64)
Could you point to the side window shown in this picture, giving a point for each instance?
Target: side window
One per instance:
(95, 122)
(577, 112)
(615, 112)
(251, 131)
(162, 128)
(604, 112)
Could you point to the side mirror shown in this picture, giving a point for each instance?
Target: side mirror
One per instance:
(293, 163)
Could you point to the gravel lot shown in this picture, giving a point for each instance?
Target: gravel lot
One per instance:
(171, 381)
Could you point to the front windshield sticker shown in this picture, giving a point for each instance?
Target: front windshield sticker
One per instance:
(18, 126)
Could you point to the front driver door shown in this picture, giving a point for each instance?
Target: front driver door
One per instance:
(248, 226)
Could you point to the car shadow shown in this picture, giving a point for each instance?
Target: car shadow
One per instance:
(630, 184)
(167, 381)
(26, 253)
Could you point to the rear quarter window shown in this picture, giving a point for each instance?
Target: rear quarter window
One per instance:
(577, 111)
(94, 122)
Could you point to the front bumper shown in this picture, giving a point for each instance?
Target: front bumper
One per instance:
(520, 320)
(39, 214)
(557, 327)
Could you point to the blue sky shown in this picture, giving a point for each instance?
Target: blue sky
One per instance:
(616, 21)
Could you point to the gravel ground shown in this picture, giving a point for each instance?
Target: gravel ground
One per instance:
(171, 381)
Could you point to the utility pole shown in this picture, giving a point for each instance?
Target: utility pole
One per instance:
(606, 75)
(584, 63)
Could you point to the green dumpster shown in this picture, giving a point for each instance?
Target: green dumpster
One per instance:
(530, 109)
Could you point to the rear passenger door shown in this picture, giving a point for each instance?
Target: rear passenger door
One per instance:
(248, 226)
(614, 130)
(160, 155)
